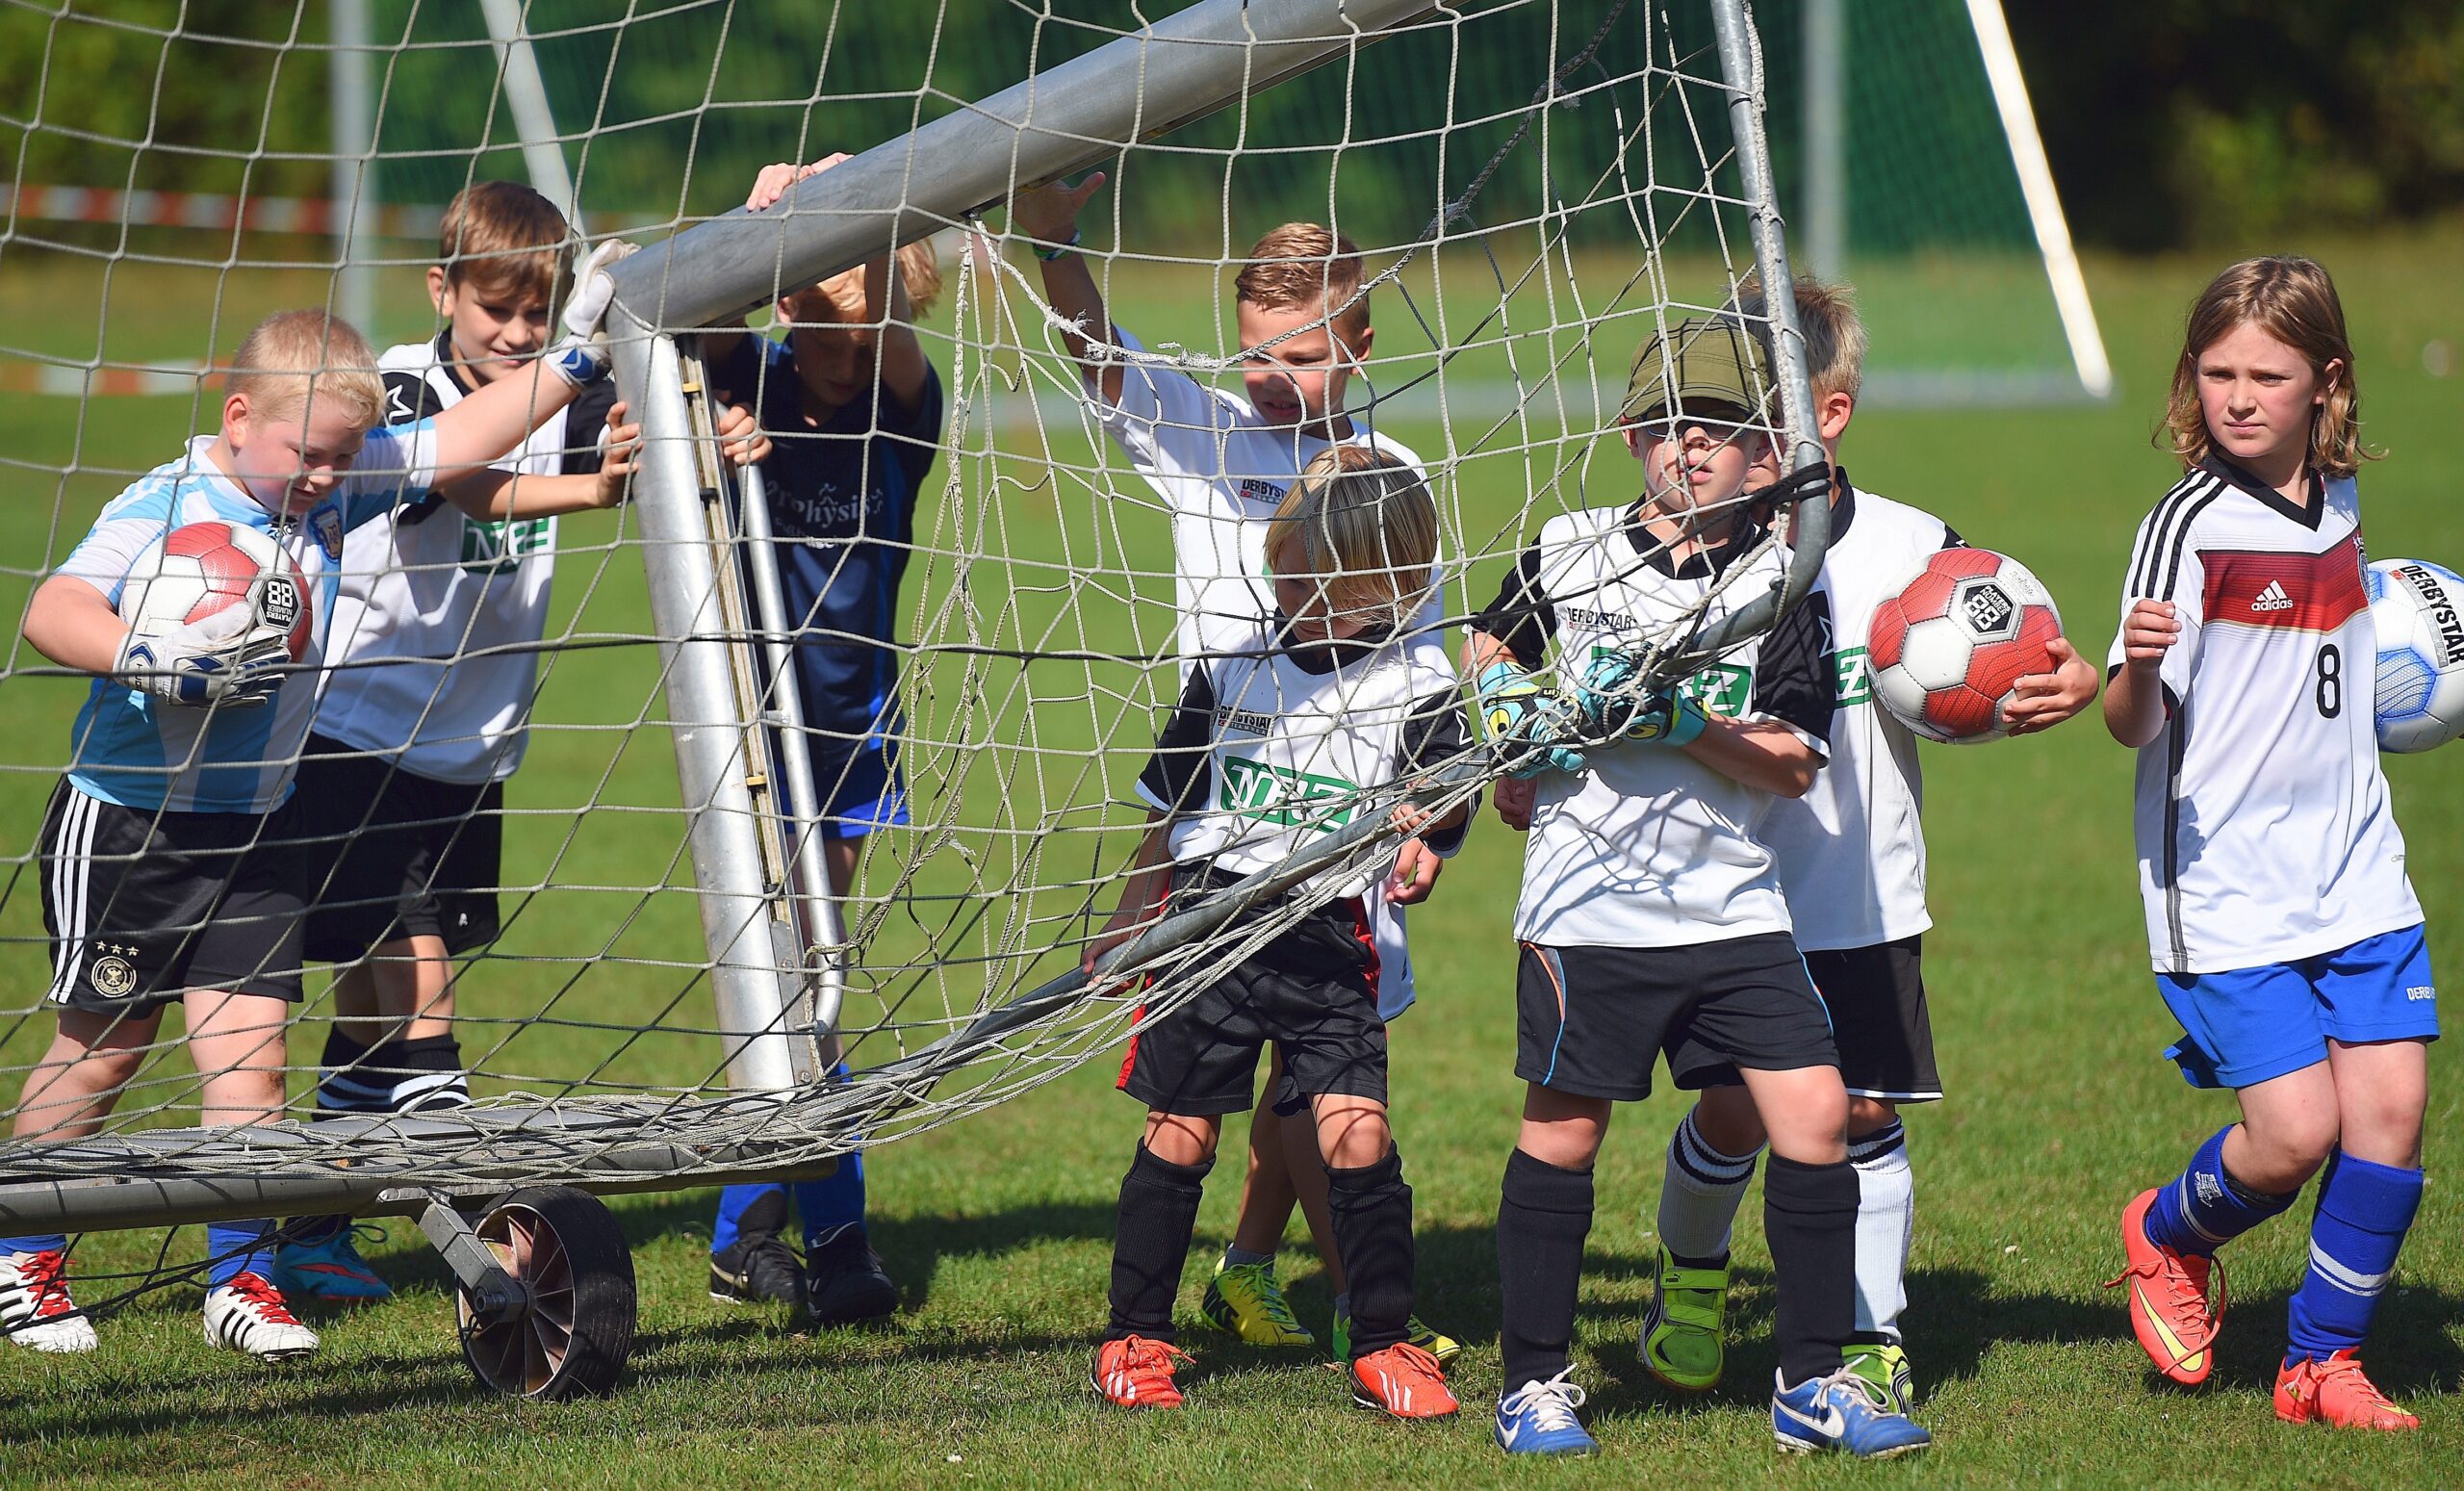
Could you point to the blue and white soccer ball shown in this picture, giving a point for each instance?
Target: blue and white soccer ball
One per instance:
(2414, 607)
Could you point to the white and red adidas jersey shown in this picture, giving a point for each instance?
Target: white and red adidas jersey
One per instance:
(2264, 828)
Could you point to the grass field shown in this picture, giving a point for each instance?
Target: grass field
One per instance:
(997, 1229)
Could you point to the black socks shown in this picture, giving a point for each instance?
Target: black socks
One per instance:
(1544, 1214)
(1371, 1211)
(1150, 1241)
(1809, 1216)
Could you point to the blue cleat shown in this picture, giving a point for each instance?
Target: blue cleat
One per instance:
(1538, 1417)
(329, 1272)
(1836, 1413)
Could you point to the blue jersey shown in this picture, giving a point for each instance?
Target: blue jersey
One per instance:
(141, 752)
(843, 505)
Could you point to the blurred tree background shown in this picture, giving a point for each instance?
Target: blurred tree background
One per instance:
(2168, 123)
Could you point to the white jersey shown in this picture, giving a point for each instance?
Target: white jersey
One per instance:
(138, 751)
(441, 612)
(1851, 849)
(1221, 472)
(2264, 829)
(1649, 847)
(1273, 744)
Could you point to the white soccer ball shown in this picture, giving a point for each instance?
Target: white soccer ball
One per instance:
(199, 569)
(2414, 605)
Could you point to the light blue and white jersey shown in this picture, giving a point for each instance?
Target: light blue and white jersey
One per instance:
(138, 751)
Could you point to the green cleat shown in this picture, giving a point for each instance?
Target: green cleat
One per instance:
(1683, 1343)
(1436, 1343)
(1244, 1300)
(1883, 1371)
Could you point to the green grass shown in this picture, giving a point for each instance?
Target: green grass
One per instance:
(997, 1228)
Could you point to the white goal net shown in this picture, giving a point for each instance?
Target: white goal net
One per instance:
(1536, 188)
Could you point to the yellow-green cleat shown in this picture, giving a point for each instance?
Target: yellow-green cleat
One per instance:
(1885, 1376)
(1436, 1343)
(1683, 1343)
(1244, 1300)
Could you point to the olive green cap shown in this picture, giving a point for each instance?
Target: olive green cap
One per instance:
(1707, 358)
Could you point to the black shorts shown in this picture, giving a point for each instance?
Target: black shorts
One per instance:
(391, 855)
(1592, 1020)
(1876, 996)
(141, 904)
(1312, 992)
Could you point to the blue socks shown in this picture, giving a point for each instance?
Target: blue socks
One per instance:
(40, 1243)
(237, 1248)
(2204, 1208)
(2364, 1210)
(828, 1206)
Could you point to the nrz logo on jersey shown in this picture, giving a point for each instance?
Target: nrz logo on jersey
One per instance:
(1291, 799)
(1604, 621)
(1242, 720)
(1853, 679)
(1256, 489)
(1990, 609)
(1722, 688)
(2442, 610)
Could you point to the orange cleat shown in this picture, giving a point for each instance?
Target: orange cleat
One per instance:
(2170, 1306)
(2336, 1393)
(1402, 1381)
(1136, 1372)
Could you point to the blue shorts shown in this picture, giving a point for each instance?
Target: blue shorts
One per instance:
(865, 791)
(2244, 1027)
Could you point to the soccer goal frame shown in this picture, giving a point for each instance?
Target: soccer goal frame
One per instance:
(766, 911)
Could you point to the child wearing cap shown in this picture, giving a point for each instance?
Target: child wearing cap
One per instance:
(1651, 917)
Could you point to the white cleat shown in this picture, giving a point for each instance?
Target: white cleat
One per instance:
(249, 1315)
(36, 1311)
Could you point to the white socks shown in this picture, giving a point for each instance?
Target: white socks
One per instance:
(1885, 1217)
(1698, 1200)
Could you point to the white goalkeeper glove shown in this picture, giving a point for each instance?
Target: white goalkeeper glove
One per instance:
(580, 357)
(214, 661)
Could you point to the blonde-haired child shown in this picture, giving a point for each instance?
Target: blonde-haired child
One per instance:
(1272, 744)
(2284, 933)
(161, 880)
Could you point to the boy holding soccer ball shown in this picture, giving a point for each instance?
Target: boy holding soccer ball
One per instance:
(164, 875)
(1652, 917)
(1851, 857)
(2285, 937)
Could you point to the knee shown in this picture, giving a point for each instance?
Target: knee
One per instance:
(2287, 1151)
(1866, 1115)
(1180, 1140)
(1726, 1119)
(1357, 1143)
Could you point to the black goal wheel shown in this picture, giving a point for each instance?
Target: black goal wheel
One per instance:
(570, 1337)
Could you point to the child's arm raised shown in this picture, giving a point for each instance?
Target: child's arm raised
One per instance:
(494, 495)
(1049, 216)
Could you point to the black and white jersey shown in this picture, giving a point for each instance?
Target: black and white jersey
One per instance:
(432, 583)
(2262, 823)
(1649, 847)
(1851, 849)
(1272, 746)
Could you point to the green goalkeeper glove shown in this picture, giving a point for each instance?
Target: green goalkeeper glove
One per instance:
(1526, 719)
(1611, 704)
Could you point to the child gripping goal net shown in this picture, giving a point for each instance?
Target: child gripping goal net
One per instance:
(692, 716)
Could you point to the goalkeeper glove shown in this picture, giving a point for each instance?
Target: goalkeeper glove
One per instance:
(582, 357)
(1526, 719)
(1611, 704)
(214, 661)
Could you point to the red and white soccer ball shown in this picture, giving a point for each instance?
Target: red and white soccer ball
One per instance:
(201, 568)
(1948, 649)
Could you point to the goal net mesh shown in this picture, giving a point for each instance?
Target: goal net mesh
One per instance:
(1537, 186)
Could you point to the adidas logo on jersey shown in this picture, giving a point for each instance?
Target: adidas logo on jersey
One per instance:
(2272, 598)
